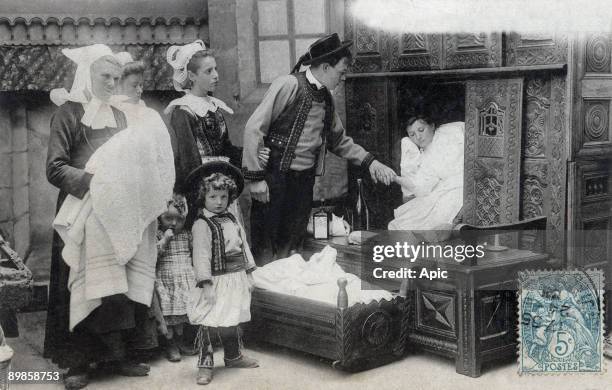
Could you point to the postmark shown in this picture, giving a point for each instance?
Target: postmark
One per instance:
(561, 322)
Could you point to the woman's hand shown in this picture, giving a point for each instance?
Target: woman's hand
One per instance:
(404, 182)
(263, 156)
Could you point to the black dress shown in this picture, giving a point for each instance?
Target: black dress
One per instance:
(71, 144)
(195, 137)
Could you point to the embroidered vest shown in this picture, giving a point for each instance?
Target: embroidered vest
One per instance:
(219, 261)
(286, 130)
(209, 134)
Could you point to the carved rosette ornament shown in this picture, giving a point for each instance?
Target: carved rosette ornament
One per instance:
(376, 329)
(598, 53)
(596, 118)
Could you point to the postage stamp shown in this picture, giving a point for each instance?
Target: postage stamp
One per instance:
(561, 321)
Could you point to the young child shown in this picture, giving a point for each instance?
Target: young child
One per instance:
(174, 276)
(223, 262)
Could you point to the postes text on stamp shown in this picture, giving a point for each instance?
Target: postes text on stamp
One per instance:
(561, 321)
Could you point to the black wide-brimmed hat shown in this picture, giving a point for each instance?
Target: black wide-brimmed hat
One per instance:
(216, 165)
(325, 47)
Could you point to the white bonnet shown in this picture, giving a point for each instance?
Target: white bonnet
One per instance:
(84, 57)
(178, 57)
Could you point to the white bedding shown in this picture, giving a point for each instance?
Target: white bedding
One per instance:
(316, 279)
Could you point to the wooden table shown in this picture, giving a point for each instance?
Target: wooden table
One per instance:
(471, 316)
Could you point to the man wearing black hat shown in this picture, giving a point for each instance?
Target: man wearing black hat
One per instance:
(297, 121)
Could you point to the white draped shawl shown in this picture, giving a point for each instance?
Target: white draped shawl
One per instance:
(109, 235)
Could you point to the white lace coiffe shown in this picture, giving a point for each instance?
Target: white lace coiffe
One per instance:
(178, 57)
(97, 113)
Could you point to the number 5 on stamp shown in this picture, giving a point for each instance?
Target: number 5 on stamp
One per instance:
(561, 322)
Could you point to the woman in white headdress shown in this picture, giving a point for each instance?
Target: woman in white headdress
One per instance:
(91, 313)
(432, 173)
(82, 123)
(196, 118)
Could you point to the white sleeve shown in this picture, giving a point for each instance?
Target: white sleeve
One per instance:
(409, 157)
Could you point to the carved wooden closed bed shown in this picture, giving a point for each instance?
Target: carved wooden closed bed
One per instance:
(352, 337)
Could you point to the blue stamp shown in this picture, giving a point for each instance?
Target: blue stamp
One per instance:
(561, 322)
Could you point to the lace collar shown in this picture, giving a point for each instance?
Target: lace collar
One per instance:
(198, 105)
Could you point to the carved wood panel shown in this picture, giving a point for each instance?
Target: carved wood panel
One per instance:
(368, 110)
(472, 50)
(544, 168)
(596, 248)
(496, 318)
(594, 135)
(366, 47)
(596, 121)
(536, 49)
(492, 151)
(436, 312)
(598, 53)
(416, 52)
(591, 220)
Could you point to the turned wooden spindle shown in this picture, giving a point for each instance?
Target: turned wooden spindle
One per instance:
(342, 294)
(403, 291)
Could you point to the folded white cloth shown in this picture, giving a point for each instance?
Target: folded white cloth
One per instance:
(94, 270)
(316, 279)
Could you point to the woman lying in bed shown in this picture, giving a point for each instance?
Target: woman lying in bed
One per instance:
(432, 173)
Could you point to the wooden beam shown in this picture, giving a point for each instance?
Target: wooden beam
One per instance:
(466, 73)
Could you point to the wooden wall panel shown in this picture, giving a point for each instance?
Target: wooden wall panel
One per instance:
(472, 50)
(492, 151)
(366, 43)
(544, 159)
(415, 52)
(536, 49)
(370, 104)
(591, 228)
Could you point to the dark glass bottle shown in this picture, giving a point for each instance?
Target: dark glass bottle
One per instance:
(361, 216)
